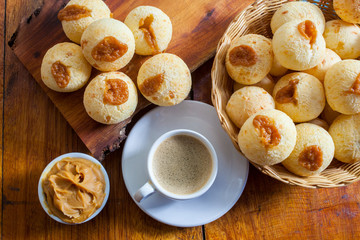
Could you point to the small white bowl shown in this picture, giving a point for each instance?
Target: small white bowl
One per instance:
(48, 168)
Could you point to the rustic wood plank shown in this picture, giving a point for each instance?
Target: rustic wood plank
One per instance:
(2, 71)
(30, 122)
(269, 209)
(202, 82)
(198, 25)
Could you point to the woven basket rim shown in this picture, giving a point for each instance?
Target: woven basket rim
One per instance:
(338, 174)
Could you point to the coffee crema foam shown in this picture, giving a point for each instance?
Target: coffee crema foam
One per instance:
(182, 164)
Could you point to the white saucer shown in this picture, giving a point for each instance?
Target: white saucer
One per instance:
(232, 174)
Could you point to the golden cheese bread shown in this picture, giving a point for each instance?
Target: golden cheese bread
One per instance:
(77, 15)
(313, 151)
(64, 68)
(164, 79)
(108, 44)
(247, 101)
(110, 98)
(152, 29)
(347, 10)
(249, 58)
(299, 11)
(343, 38)
(267, 137)
(277, 70)
(299, 95)
(299, 45)
(319, 70)
(342, 86)
(345, 132)
(266, 83)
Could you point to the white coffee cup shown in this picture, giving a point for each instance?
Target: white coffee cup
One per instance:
(47, 169)
(153, 184)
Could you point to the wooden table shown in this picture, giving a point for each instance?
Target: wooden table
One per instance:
(33, 132)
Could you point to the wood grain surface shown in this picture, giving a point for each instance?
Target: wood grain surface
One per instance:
(2, 74)
(197, 24)
(33, 132)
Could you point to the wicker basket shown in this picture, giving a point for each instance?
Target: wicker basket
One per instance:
(256, 19)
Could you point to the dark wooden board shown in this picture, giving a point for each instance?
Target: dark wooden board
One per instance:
(2, 74)
(197, 28)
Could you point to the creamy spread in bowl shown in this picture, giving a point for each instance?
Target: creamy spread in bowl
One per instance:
(73, 188)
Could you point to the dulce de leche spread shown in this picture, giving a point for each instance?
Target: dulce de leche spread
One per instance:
(74, 189)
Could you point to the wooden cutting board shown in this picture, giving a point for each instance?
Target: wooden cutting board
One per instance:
(197, 27)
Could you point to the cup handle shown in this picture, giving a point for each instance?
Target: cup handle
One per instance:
(145, 191)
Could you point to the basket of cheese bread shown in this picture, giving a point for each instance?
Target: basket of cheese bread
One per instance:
(286, 87)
